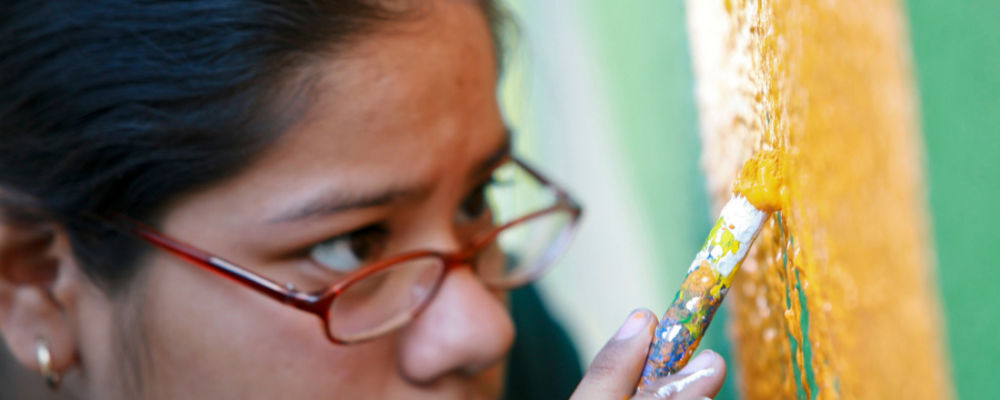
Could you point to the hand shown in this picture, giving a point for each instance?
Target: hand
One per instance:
(615, 371)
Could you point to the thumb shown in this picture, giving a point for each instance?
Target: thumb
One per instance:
(615, 371)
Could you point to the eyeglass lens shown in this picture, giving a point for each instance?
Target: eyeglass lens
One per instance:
(390, 298)
(384, 301)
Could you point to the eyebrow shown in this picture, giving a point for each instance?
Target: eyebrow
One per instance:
(340, 202)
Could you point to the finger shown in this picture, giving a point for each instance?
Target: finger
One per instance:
(701, 378)
(615, 371)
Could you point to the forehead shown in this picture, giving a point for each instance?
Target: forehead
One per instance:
(417, 87)
(409, 104)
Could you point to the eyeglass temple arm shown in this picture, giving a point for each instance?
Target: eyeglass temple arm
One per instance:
(545, 181)
(215, 264)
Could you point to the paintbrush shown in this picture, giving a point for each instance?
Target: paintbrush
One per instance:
(757, 193)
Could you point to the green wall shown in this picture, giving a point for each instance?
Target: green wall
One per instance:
(643, 51)
(957, 49)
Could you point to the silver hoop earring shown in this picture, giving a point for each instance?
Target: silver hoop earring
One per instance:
(45, 364)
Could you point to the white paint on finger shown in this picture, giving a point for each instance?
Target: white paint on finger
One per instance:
(679, 385)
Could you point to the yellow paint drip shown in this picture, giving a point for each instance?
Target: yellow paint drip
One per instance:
(762, 181)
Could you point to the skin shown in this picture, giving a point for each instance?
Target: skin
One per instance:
(407, 117)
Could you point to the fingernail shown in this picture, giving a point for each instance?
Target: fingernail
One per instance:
(702, 361)
(636, 322)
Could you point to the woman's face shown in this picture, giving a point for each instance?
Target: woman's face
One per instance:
(399, 132)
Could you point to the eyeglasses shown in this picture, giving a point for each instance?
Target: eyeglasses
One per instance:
(527, 225)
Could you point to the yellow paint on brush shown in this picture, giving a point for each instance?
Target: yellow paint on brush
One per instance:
(762, 181)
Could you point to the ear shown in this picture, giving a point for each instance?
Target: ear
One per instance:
(38, 282)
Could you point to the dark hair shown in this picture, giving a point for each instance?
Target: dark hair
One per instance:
(119, 106)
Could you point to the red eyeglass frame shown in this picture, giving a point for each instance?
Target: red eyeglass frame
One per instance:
(319, 303)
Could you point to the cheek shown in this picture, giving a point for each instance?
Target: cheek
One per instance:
(209, 337)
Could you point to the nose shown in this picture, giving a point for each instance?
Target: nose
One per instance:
(464, 330)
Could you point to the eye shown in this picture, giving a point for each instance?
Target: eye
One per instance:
(474, 206)
(348, 252)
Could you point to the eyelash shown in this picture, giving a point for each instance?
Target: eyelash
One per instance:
(382, 228)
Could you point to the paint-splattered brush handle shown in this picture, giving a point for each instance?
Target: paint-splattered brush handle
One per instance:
(709, 278)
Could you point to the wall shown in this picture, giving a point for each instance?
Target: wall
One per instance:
(616, 74)
(957, 50)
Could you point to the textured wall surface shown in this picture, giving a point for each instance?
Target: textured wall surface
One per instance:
(840, 301)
